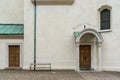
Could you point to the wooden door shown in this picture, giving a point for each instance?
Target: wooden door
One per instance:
(85, 56)
(14, 55)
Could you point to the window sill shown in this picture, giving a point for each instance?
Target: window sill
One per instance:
(102, 31)
(53, 2)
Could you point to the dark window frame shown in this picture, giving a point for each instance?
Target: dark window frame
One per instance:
(105, 19)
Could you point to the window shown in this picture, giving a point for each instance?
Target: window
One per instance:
(105, 19)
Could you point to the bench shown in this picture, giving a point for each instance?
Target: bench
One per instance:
(40, 66)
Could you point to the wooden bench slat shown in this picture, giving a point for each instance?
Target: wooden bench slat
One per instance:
(40, 65)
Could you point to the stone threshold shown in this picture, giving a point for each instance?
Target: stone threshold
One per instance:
(13, 68)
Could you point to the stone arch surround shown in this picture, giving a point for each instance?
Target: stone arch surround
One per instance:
(99, 46)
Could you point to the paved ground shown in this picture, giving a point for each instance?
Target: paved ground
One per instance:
(57, 75)
(100, 75)
(39, 75)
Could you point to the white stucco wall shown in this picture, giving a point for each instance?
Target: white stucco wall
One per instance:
(110, 53)
(4, 51)
(55, 26)
(11, 11)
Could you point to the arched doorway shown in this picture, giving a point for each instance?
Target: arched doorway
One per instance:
(89, 46)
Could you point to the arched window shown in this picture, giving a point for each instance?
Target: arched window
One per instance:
(105, 19)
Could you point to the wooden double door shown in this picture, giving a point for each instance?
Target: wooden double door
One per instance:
(14, 56)
(85, 56)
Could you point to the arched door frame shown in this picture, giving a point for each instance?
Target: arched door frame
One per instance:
(99, 44)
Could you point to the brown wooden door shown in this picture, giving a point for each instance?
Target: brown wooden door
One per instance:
(14, 55)
(85, 56)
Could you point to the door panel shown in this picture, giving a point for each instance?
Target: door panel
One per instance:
(14, 55)
(85, 56)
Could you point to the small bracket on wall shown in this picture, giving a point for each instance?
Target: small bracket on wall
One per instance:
(84, 26)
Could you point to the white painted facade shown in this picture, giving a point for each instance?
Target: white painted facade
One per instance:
(4, 59)
(55, 40)
(11, 11)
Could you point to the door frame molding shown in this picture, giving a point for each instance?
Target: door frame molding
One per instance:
(98, 46)
(21, 58)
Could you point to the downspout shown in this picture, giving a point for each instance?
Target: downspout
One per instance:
(34, 34)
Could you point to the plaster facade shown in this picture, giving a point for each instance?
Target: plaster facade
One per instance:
(11, 11)
(4, 58)
(55, 27)
(56, 43)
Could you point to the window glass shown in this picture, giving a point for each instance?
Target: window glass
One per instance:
(105, 19)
